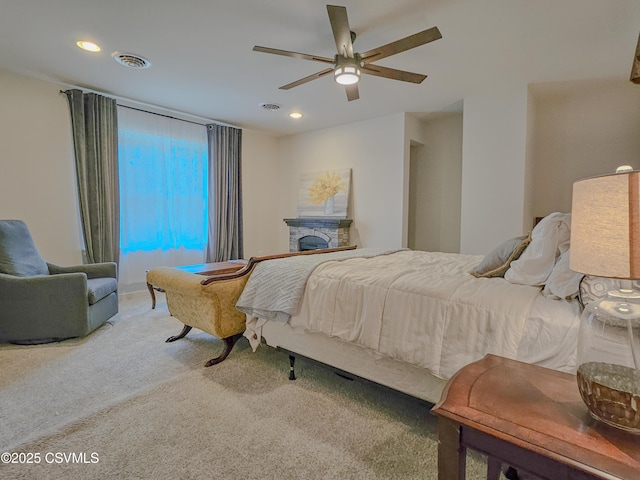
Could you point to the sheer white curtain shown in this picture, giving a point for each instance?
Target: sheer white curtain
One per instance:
(163, 194)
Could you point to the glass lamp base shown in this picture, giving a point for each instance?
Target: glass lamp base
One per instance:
(611, 393)
(608, 358)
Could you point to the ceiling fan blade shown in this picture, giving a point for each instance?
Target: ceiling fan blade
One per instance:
(306, 79)
(401, 45)
(287, 53)
(352, 92)
(392, 73)
(341, 30)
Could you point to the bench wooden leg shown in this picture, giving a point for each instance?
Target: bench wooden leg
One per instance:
(229, 343)
(153, 295)
(184, 331)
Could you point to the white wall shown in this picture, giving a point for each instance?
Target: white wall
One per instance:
(260, 194)
(37, 173)
(436, 182)
(413, 140)
(581, 130)
(493, 167)
(374, 150)
(532, 134)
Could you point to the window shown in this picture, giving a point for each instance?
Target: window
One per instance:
(163, 194)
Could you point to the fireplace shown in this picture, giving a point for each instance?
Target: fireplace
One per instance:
(312, 233)
(312, 242)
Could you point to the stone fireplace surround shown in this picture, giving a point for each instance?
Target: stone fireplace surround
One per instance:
(334, 231)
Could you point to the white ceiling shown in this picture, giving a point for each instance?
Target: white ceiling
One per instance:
(203, 63)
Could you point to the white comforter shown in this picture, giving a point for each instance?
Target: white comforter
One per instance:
(424, 308)
(419, 307)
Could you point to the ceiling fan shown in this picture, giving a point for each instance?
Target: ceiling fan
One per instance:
(347, 65)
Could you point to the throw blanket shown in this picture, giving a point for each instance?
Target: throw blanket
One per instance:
(274, 289)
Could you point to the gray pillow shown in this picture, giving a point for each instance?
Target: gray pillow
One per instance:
(496, 263)
(18, 253)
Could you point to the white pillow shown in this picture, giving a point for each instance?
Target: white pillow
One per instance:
(537, 261)
(563, 282)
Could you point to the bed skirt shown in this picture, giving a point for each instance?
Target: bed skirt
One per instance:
(364, 363)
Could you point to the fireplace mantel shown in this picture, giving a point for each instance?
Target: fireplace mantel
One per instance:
(334, 231)
(322, 222)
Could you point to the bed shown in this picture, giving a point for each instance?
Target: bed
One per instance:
(410, 319)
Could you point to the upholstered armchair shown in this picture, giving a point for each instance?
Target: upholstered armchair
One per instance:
(41, 302)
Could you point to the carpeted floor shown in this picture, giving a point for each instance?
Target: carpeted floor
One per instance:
(123, 404)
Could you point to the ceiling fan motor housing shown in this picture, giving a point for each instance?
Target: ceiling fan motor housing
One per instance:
(347, 69)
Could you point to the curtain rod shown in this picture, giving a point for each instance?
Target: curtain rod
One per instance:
(155, 113)
(160, 114)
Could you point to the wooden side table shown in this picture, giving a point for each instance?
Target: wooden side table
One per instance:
(531, 418)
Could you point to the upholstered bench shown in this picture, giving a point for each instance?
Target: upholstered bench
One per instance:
(209, 303)
(203, 304)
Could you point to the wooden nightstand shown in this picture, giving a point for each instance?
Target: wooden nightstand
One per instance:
(531, 418)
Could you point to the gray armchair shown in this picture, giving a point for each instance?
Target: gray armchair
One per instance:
(41, 302)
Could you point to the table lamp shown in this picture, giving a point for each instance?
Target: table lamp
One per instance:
(605, 242)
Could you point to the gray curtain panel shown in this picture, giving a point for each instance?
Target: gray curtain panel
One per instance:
(94, 123)
(225, 193)
(635, 67)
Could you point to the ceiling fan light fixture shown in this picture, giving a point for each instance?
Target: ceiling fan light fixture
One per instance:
(347, 74)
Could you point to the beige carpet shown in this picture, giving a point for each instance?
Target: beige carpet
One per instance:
(123, 404)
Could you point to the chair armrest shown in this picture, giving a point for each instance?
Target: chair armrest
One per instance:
(43, 307)
(41, 288)
(175, 280)
(225, 293)
(92, 270)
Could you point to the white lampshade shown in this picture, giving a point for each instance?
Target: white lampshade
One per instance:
(605, 226)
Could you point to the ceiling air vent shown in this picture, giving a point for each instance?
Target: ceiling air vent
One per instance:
(131, 61)
(272, 107)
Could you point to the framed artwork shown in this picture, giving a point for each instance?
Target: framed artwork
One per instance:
(324, 194)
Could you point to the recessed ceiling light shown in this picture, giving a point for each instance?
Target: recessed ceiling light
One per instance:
(88, 46)
(295, 115)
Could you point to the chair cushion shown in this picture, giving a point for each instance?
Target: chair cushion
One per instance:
(98, 288)
(18, 253)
